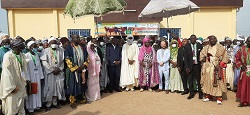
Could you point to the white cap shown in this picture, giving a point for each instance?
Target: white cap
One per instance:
(30, 43)
(51, 39)
(239, 37)
(111, 37)
(227, 38)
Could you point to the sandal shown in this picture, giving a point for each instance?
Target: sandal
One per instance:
(73, 106)
(241, 105)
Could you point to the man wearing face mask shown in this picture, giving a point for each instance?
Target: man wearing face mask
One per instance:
(130, 65)
(240, 43)
(139, 43)
(229, 69)
(5, 43)
(104, 73)
(35, 75)
(13, 80)
(53, 64)
(193, 65)
(242, 61)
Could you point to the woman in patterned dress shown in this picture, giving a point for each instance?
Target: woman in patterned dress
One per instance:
(148, 69)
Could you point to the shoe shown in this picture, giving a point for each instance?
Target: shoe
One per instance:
(47, 109)
(219, 102)
(200, 95)
(56, 106)
(73, 106)
(190, 96)
(158, 90)
(141, 90)
(150, 90)
(127, 89)
(132, 90)
(110, 91)
(118, 90)
(206, 100)
(167, 92)
(184, 92)
(241, 105)
(31, 113)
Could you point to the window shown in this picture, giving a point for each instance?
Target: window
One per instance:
(176, 31)
(80, 32)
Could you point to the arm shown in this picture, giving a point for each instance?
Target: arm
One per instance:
(68, 60)
(178, 57)
(158, 56)
(45, 62)
(167, 57)
(238, 59)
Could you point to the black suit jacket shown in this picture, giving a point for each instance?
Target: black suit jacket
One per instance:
(188, 55)
(113, 54)
(180, 57)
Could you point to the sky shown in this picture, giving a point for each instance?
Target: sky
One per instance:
(243, 16)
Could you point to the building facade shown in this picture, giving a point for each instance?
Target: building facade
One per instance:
(44, 18)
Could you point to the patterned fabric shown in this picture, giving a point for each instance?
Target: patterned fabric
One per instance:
(149, 76)
(144, 49)
(207, 78)
(78, 8)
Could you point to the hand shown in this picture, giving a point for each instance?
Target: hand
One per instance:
(204, 59)
(131, 62)
(217, 67)
(187, 70)
(174, 64)
(15, 90)
(79, 69)
(179, 69)
(150, 65)
(142, 64)
(117, 62)
(161, 64)
(55, 72)
(243, 68)
(234, 65)
(229, 61)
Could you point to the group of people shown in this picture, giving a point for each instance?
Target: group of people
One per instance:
(42, 73)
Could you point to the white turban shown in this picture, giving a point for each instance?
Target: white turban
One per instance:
(30, 43)
(228, 39)
(51, 39)
(240, 37)
(130, 36)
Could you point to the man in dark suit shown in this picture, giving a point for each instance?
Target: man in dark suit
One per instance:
(181, 66)
(113, 54)
(193, 65)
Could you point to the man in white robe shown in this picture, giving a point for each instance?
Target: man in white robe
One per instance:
(229, 69)
(130, 64)
(53, 63)
(35, 73)
(13, 80)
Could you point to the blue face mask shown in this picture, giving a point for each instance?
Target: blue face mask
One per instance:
(24, 51)
(34, 50)
(7, 46)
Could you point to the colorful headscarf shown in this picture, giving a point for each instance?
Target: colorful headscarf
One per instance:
(144, 49)
(174, 50)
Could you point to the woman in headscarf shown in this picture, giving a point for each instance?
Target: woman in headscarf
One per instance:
(175, 77)
(148, 69)
(93, 91)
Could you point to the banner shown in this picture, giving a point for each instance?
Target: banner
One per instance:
(118, 29)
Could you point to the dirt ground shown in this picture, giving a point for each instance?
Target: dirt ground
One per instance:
(153, 103)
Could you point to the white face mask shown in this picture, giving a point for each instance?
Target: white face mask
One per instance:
(139, 45)
(238, 43)
(102, 43)
(130, 41)
(54, 46)
(95, 45)
(174, 45)
(40, 47)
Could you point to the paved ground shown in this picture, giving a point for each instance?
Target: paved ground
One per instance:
(153, 103)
